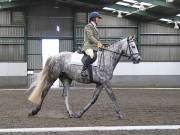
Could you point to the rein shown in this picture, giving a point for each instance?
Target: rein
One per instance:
(111, 51)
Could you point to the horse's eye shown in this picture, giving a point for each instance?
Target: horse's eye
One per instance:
(133, 46)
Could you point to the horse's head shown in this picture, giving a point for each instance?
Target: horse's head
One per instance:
(130, 49)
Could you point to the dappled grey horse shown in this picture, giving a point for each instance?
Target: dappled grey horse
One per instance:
(59, 66)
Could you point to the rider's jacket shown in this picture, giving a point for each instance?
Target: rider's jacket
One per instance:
(91, 37)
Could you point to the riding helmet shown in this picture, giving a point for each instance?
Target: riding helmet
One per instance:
(94, 15)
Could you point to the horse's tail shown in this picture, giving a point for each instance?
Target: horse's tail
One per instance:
(42, 83)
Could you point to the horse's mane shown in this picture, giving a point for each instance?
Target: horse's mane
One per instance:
(115, 42)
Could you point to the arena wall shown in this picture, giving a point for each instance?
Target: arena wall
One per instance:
(147, 74)
(13, 75)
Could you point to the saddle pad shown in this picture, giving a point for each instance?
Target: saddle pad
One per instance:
(76, 59)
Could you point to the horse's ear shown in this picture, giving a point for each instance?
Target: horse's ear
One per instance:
(133, 37)
(129, 37)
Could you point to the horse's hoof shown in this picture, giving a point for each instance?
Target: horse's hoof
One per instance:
(34, 112)
(30, 114)
(121, 117)
(77, 115)
(71, 115)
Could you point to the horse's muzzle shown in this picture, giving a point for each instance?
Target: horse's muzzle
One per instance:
(136, 59)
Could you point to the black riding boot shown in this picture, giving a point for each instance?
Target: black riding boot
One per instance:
(87, 61)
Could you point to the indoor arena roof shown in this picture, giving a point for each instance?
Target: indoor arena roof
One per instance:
(148, 10)
(167, 11)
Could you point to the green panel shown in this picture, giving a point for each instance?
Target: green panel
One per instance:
(98, 2)
(162, 3)
(12, 4)
(25, 36)
(154, 2)
(19, 3)
(90, 1)
(138, 36)
(174, 18)
(147, 15)
(1, 1)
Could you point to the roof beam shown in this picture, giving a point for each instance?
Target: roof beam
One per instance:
(4, 1)
(175, 1)
(79, 3)
(157, 16)
(174, 18)
(4, 5)
(123, 8)
(151, 15)
(1, 1)
(99, 2)
(162, 3)
(147, 14)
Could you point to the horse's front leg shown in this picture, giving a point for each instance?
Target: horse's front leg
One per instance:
(92, 101)
(107, 86)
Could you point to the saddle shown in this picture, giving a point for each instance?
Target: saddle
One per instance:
(76, 59)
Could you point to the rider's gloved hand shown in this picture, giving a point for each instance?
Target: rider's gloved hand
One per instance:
(99, 45)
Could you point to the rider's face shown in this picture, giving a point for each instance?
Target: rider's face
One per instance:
(98, 20)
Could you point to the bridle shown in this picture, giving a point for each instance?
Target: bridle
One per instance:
(130, 49)
(122, 53)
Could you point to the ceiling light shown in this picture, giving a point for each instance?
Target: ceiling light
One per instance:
(138, 6)
(110, 9)
(166, 20)
(131, 1)
(56, 6)
(146, 4)
(119, 14)
(141, 7)
(135, 6)
(57, 28)
(123, 3)
(178, 15)
(176, 26)
(169, 1)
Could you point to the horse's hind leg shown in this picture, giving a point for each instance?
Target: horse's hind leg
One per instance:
(44, 93)
(66, 84)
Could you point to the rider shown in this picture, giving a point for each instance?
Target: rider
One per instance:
(91, 41)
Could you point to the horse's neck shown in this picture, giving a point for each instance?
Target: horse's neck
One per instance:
(109, 59)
